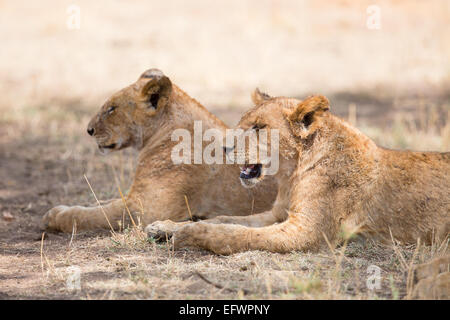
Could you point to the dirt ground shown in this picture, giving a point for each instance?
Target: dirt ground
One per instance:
(393, 85)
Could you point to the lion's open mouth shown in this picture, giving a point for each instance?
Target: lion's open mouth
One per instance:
(250, 171)
(109, 146)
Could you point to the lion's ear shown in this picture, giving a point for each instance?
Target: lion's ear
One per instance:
(259, 97)
(306, 117)
(156, 88)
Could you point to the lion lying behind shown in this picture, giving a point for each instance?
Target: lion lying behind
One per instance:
(144, 115)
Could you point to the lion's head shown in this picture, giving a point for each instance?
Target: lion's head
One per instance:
(296, 122)
(130, 115)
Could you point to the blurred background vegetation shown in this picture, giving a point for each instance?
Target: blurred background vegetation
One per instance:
(393, 81)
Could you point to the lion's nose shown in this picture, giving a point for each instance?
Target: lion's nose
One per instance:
(91, 131)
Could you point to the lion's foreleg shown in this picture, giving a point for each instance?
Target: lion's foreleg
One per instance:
(256, 220)
(66, 219)
(226, 239)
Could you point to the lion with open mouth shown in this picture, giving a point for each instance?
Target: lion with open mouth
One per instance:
(333, 180)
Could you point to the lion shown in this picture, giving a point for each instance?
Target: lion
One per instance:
(332, 180)
(144, 115)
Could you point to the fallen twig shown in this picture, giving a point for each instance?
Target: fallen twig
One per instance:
(218, 286)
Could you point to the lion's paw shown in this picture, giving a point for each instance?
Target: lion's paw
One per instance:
(52, 219)
(162, 230)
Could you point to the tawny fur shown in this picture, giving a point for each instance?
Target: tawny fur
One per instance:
(143, 116)
(333, 180)
(432, 279)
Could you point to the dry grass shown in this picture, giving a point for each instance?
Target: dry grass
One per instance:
(128, 265)
(392, 84)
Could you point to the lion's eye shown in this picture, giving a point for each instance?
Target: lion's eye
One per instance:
(111, 109)
(258, 126)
